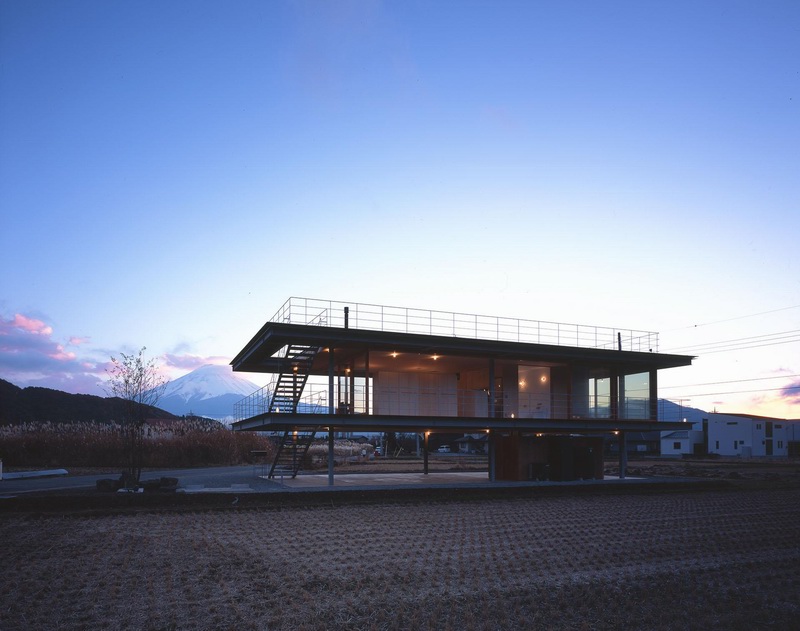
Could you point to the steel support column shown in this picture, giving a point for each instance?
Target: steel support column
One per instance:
(331, 370)
(614, 391)
(491, 409)
(366, 382)
(425, 454)
(330, 456)
(351, 404)
(653, 381)
(492, 457)
(331, 375)
(623, 455)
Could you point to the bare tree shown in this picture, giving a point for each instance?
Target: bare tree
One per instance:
(138, 383)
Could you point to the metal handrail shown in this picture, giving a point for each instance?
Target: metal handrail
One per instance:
(310, 311)
(468, 404)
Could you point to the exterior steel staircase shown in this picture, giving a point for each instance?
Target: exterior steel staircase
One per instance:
(292, 451)
(290, 383)
(293, 446)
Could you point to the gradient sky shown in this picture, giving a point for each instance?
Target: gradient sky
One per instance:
(171, 172)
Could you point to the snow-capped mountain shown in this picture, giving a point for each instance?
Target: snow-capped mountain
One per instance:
(209, 391)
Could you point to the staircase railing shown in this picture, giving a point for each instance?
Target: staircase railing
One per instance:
(291, 453)
(256, 403)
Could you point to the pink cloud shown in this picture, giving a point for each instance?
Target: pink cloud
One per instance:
(190, 362)
(31, 325)
(61, 355)
(29, 356)
(78, 341)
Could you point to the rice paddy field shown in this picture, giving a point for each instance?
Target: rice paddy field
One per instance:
(719, 558)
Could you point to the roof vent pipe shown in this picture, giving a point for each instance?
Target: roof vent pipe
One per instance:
(619, 335)
(347, 317)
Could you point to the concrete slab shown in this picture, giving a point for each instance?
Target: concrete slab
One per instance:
(372, 480)
(233, 488)
(22, 475)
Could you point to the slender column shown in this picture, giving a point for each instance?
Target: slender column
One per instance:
(331, 370)
(623, 455)
(339, 399)
(351, 407)
(366, 382)
(425, 454)
(330, 455)
(491, 388)
(653, 395)
(492, 457)
(613, 391)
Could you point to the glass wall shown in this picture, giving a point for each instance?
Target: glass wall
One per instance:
(634, 396)
(599, 393)
(534, 391)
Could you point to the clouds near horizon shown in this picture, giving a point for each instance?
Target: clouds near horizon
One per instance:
(791, 393)
(192, 362)
(31, 355)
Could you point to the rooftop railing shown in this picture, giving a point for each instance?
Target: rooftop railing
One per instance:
(311, 311)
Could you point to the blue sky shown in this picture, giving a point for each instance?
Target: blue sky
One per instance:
(170, 173)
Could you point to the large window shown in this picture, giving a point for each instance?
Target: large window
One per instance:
(599, 393)
(635, 396)
(534, 392)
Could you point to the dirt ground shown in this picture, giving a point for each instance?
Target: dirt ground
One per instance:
(707, 468)
(725, 556)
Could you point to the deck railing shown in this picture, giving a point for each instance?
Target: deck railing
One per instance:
(464, 404)
(450, 324)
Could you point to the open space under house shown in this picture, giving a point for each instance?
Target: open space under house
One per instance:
(547, 395)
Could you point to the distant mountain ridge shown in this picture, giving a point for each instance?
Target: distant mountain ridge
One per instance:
(674, 412)
(209, 391)
(33, 404)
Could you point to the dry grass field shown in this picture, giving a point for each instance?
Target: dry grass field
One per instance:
(717, 559)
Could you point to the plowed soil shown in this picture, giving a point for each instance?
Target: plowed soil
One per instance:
(724, 557)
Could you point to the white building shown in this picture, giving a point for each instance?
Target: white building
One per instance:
(747, 435)
(688, 441)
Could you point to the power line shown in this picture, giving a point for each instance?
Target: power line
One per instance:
(743, 348)
(741, 343)
(749, 315)
(719, 383)
(736, 340)
(711, 394)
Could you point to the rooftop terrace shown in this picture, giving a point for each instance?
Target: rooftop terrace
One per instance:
(312, 311)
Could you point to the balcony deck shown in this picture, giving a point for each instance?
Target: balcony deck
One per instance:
(405, 423)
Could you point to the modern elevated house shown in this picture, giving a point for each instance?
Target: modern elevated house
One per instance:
(547, 395)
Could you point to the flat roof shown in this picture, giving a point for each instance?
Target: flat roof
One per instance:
(387, 422)
(385, 346)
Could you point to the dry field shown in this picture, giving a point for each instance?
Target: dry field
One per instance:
(723, 559)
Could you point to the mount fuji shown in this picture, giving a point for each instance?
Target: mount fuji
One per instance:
(209, 391)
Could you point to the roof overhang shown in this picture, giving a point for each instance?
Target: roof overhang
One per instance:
(384, 422)
(257, 355)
